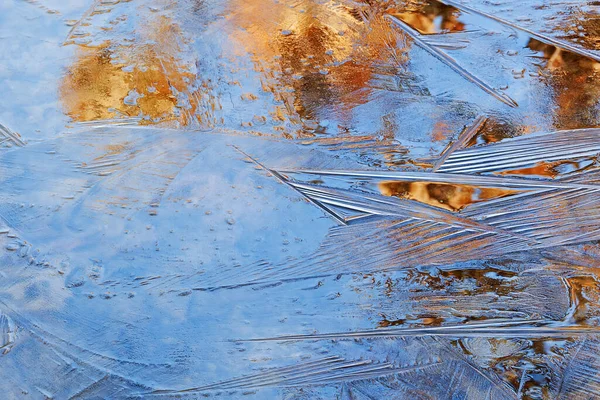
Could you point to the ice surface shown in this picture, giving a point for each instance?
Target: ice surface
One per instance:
(299, 199)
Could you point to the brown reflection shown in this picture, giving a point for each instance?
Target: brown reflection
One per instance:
(440, 297)
(116, 80)
(553, 169)
(433, 17)
(442, 195)
(583, 27)
(543, 169)
(559, 58)
(496, 130)
(316, 60)
(585, 296)
(573, 79)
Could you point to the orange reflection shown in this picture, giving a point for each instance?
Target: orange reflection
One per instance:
(540, 169)
(585, 297)
(582, 26)
(149, 81)
(442, 195)
(553, 169)
(313, 57)
(434, 17)
(559, 58)
(575, 84)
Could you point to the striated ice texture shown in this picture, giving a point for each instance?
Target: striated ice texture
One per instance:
(299, 199)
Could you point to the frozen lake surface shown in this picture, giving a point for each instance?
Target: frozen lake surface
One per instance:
(299, 199)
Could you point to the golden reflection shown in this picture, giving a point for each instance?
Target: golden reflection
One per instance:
(317, 61)
(448, 196)
(314, 58)
(446, 293)
(554, 169)
(433, 17)
(574, 80)
(496, 130)
(114, 81)
(543, 169)
(585, 296)
(559, 58)
(583, 27)
(441, 131)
